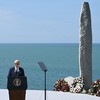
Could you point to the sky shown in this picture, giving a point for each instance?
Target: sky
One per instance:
(45, 21)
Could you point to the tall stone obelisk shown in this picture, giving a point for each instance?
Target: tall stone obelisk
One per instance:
(85, 46)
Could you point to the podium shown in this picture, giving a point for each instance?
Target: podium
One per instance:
(17, 87)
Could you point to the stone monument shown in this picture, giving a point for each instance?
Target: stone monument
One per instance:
(85, 46)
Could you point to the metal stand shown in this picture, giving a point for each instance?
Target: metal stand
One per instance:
(43, 67)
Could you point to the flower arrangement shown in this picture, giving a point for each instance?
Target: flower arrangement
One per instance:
(75, 87)
(95, 88)
(61, 85)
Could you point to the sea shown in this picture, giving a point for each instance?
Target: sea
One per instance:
(60, 59)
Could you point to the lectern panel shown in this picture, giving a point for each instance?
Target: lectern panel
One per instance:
(17, 83)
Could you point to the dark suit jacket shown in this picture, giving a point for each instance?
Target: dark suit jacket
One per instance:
(13, 73)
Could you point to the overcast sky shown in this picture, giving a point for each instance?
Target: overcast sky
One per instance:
(45, 21)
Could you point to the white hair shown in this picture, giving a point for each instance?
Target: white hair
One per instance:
(16, 61)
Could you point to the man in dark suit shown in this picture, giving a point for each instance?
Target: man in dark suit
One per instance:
(16, 70)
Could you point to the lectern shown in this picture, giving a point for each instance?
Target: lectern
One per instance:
(17, 87)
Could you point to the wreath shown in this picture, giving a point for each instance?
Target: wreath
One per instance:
(77, 85)
(95, 88)
(61, 85)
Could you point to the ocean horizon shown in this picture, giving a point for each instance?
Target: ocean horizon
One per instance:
(61, 60)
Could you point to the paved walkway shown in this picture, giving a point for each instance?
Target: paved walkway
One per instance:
(51, 95)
